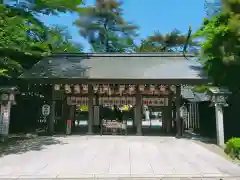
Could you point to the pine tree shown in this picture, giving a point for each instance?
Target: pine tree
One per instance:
(170, 42)
(104, 27)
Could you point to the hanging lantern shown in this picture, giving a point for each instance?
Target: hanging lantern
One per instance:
(95, 88)
(67, 88)
(131, 89)
(85, 87)
(56, 87)
(141, 87)
(167, 89)
(110, 91)
(162, 88)
(101, 90)
(121, 88)
(157, 90)
(105, 88)
(152, 88)
(77, 89)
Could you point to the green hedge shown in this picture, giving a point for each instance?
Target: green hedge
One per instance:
(232, 148)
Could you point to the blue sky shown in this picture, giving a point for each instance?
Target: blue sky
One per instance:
(150, 16)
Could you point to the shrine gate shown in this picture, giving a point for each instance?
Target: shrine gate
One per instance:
(136, 79)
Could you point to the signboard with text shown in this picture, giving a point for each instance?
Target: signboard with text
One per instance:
(45, 110)
(119, 101)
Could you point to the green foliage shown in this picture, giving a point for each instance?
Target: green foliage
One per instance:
(220, 50)
(104, 27)
(3, 72)
(60, 40)
(201, 88)
(170, 42)
(232, 148)
(47, 6)
(24, 39)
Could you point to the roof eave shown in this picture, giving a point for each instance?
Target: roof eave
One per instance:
(112, 81)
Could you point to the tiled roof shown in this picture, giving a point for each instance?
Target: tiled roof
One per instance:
(118, 66)
(191, 96)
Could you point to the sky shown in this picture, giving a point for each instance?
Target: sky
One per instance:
(149, 15)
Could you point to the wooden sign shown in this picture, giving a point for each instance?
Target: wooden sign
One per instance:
(118, 101)
(155, 101)
(73, 100)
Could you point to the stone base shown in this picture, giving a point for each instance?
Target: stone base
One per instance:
(139, 134)
(89, 133)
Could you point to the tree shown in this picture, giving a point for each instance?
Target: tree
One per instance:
(171, 42)
(60, 40)
(220, 54)
(45, 6)
(221, 50)
(23, 37)
(104, 27)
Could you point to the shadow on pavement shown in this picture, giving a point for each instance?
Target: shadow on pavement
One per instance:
(197, 137)
(22, 144)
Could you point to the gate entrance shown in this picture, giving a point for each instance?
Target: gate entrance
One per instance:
(118, 114)
(153, 119)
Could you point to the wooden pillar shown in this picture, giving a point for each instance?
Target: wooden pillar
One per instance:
(52, 112)
(138, 117)
(178, 104)
(169, 113)
(71, 112)
(52, 117)
(90, 108)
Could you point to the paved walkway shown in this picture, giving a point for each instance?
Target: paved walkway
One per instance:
(113, 156)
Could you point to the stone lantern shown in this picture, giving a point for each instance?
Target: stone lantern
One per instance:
(7, 99)
(218, 97)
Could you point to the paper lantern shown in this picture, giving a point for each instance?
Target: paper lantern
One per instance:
(109, 91)
(85, 87)
(142, 87)
(131, 89)
(95, 88)
(173, 88)
(121, 89)
(152, 87)
(76, 89)
(56, 87)
(67, 88)
(101, 90)
(105, 88)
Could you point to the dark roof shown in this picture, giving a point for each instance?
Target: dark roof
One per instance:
(117, 66)
(188, 94)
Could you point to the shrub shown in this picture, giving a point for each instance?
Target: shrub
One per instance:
(232, 148)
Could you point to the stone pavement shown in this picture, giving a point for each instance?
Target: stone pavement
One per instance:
(127, 157)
